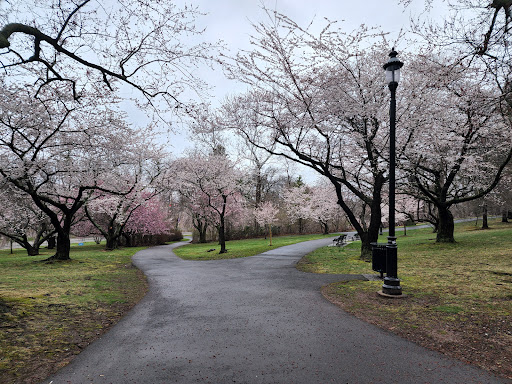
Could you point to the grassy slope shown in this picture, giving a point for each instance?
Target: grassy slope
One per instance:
(49, 312)
(459, 296)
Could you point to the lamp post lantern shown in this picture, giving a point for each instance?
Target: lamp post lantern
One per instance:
(391, 284)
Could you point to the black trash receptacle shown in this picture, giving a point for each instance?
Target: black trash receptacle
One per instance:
(379, 252)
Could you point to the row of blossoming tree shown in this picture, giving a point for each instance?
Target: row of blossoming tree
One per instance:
(66, 151)
(313, 98)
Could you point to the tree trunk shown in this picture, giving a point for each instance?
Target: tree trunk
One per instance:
(32, 251)
(325, 226)
(112, 243)
(372, 233)
(504, 218)
(446, 226)
(52, 242)
(112, 237)
(259, 187)
(128, 239)
(222, 236)
(485, 224)
(366, 247)
(63, 247)
(202, 234)
(201, 229)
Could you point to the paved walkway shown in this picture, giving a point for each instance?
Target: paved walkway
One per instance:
(251, 320)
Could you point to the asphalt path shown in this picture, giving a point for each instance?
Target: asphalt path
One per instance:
(251, 320)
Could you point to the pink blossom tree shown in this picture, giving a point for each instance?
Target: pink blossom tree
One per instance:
(148, 218)
(110, 214)
(266, 216)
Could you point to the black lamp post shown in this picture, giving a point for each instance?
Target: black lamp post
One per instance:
(391, 284)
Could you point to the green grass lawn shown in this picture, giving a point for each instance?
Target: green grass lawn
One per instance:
(474, 273)
(49, 312)
(240, 248)
(459, 296)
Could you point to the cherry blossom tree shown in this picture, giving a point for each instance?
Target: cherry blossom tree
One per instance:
(110, 214)
(213, 185)
(462, 154)
(21, 219)
(132, 42)
(84, 228)
(320, 101)
(201, 218)
(60, 157)
(407, 209)
(501, 196)
(148, 218)
(317, 203)
(297, 202)
(324, 207)
(480, 26)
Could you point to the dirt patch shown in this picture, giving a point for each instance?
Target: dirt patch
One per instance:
(471, 338)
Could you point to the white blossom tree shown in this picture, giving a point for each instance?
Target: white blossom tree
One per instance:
(213, 186)
(21, 220)
(324, 207)
(317, 203)
(458, 142)
(266, 216)
(60, 157)
(320, 101)
(298, 201)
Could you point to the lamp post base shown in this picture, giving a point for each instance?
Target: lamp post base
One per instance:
(382, 294)
(391, 286)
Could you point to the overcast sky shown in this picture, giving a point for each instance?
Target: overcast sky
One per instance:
(230, 21)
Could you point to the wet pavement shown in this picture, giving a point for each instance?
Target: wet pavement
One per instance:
(251, 320)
